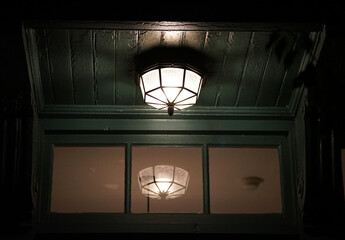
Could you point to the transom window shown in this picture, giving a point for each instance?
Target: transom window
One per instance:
(233, 181)
(92, 179)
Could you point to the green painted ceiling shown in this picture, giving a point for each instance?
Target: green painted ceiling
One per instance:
(87, 67)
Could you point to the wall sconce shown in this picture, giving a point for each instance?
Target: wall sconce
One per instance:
(163, 182)
(170, 87)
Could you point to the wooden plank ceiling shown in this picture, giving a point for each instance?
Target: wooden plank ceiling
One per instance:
(88, 67)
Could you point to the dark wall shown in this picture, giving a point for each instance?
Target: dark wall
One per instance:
(324, 209)
(15, 134)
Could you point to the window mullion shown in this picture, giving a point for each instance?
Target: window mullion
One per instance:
(206, 179)
(128, 177)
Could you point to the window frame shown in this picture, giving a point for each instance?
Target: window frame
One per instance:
(276, 135)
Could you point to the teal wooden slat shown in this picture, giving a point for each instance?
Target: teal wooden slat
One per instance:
(194, 39)
(89, 70)
(126, 86)
(60, 66)
(215, 45)
(251, 75)
(82, 65)
(275, 73)
(295, 60)
(148, 39)
(234, 63)
(104, 66)
(172, 38)
(145, 41)
(44, 65)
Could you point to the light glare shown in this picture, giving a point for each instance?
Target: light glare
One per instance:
(176, 88)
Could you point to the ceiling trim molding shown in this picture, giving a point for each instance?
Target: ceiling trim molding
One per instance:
(112, 111)
(33, 68)
(180, 25)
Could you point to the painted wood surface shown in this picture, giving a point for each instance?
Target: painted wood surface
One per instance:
(91, 66)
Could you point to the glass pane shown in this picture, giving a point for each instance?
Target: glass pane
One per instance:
(188, 101)
(181, 176)
(244, 180)
(146, 176)
(159, 94)
(171, 93)
(184, 95)
(150, 99)
(192, 81)
(88, 179)
(158, 106)
(151, 80)
(172, 77)
(164, 177)
(178, 172)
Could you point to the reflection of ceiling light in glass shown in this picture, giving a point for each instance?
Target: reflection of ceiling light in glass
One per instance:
(163, 181)
(170, 87)
(251, 183)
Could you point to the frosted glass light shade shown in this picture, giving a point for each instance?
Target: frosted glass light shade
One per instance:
(170, 88)
(163, 181)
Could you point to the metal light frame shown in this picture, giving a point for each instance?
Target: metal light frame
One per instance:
(186, 91)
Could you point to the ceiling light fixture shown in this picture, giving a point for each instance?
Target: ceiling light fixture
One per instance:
(170, 87)
(163, 182)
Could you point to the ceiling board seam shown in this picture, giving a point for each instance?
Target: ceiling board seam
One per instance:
(206, 40)
(281, 88)
(94, 63)
(115, 66)
(242, 81)
(137, 49)
(70, 53)
(220, 86)
(285, 74)
(182, 39)
(263, 76)
(49, 65)
(161, 39)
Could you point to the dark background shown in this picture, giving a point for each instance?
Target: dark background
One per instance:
(324, 207)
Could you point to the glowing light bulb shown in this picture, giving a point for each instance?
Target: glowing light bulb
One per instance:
(163, 181)
(163, 184)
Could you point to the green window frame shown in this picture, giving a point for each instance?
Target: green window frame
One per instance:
(276, 136)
